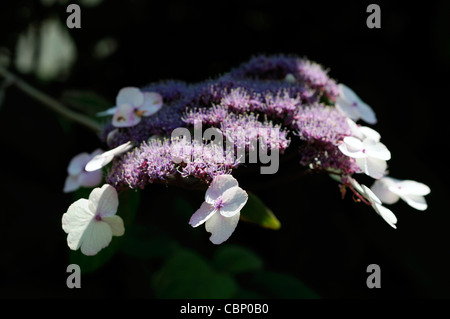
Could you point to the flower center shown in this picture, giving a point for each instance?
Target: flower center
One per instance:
(140, 112)
(219, 203)
(98, 218)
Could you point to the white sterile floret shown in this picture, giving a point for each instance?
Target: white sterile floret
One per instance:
(375, 202)
(220, 211)
(370, 155)
(132, 104)
(91, 223)
(390, 190)
(363, 132)
(78, 176)
(352, 106)
(101, 160)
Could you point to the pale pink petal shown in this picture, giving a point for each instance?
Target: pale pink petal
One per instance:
(347, 93)
(353, 106)
(101, 160)
(104, 201)
(202, 214)
(368, 132)
(347, 108)
(71, 184)
(97, 236)
(90, 179)
(122, 148)
(386, 214)
(108, 112)
(77, 163)
(373, 167)
(381, 189)
(130, 95)
(366, 113)
(96, 152)
(152, 104)
(233, 200)
(75, 221)
(357, 186)
(221, 227)
(116, 224)
(125, 116)
(376, 149)
(415, 201)
(111, 135)
(355, 128)
(407, 187)
(97, 162)
(370, 195)
(218, 186)
(352, 147)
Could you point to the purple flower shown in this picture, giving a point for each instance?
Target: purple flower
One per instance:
(320, 122)
(316, 77)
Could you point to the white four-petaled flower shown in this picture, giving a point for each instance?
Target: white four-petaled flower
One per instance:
(78, 176)
(370, 155)
(131, 105)
(352, 106)
(91, 223)
(389, 190)
(220, 211)
(100, 160)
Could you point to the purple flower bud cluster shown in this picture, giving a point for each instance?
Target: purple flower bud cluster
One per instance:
(148, 163)
(160, 160)
(277, 98)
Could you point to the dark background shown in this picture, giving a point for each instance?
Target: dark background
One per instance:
(401, 70)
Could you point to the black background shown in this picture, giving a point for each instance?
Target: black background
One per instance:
(401, 70)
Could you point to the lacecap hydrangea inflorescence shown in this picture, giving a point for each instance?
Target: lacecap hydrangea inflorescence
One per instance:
(283, 102)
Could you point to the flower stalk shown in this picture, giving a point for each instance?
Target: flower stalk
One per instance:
(49, 101)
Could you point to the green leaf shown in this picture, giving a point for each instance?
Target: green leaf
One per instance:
(278, 285)
(236, 259)
(128, 205)
(187, 275)
(145, 242)
(256, 212)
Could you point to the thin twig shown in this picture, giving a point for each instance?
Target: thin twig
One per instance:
(50, 102)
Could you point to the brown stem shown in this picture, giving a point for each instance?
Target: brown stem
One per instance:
(49, 102)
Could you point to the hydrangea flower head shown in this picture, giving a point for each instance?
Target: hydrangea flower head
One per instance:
(282, 105)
